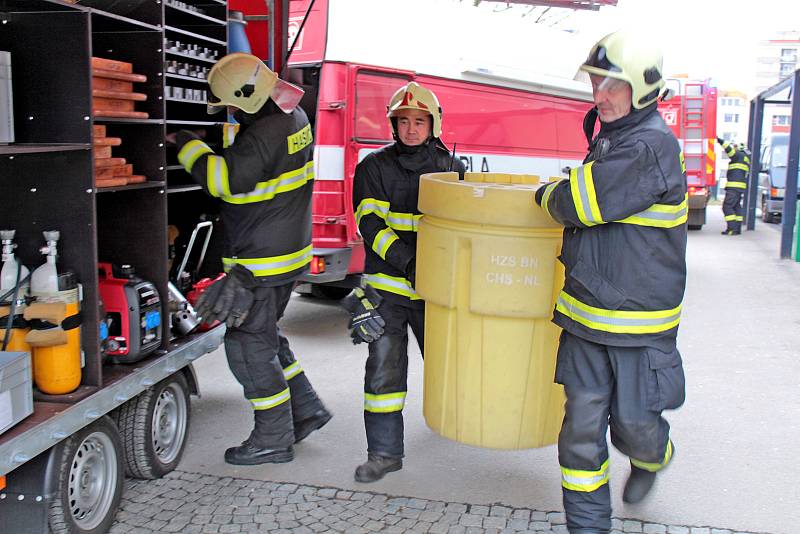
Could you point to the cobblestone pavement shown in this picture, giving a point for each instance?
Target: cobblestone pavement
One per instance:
(198, 504)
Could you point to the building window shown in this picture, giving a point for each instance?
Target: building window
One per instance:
(731, 117)
(727, 136)
(789, 55)
(781, 120)
(787, 69)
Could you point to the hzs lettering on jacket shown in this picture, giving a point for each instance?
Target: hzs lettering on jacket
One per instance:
(299, 140)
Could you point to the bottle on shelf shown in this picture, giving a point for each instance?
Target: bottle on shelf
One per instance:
(14, 287)
(54, 316)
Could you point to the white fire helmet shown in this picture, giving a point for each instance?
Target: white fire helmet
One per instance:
(414, 96)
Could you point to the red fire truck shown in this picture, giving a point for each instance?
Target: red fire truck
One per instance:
(692, 115)
(498, 119)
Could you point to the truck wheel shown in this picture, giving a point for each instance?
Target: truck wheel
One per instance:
(766, 216)
(90, 477)
(329, 292)
(153, 427)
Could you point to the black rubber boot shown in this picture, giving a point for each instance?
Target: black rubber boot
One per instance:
(376, 467)
(250, 454)
(639, 484)
(305, 427)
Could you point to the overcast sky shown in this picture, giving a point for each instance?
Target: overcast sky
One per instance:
(703, 38)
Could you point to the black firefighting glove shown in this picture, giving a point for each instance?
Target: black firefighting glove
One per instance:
(366, 325)
(229, 299)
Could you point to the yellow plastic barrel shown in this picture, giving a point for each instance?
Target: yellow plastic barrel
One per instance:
(57, 368)
(487, 270)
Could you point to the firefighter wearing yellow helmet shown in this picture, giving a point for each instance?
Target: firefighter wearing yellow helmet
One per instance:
(385, 195)
(264, 182)
(624, 253)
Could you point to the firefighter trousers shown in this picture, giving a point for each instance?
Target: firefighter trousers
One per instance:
(732, 209)
(386, 376)
(625, 388)
(273, 381)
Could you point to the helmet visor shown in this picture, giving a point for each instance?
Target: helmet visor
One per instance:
(213, 104)
(598, 58)
(286, 96)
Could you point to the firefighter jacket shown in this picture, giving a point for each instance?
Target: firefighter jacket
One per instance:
(264, 181)
(385, 194)
(624, 247)
(738, 166)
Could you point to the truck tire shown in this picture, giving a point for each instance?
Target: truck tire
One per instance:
(90, 477)
(766, 216)
(153, 426)
(329, 292)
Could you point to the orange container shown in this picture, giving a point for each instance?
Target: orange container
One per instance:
(57, 369)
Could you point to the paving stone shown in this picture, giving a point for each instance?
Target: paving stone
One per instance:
(654, 528)
(471, 520)
(700, 530)
(677, 530)
(494, 522)
(479, 510)
(632, 526)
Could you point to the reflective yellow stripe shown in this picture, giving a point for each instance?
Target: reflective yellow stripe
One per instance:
(736, 185)
(191, 151)
(292, 370)
(217, 176)
(578, 480)
(738, 167)
(583, 195)
(615, 321)
(730, 217)
(385, 403)
(372, 205)
(739, 218)
(299, 140)
(548, 190)
(408, 222)
(729, 150)
(265, 403)
(661, 215)
(383, 240)
(392, 284)
(683, 162)
(229, 132)
(288, 181)
(273, 265)
(655, 467)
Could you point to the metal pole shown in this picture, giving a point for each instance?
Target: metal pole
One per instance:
(754, 132)
(271, 33)
(790, 195)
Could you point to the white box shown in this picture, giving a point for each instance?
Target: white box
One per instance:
(16, 388)
(6, 100)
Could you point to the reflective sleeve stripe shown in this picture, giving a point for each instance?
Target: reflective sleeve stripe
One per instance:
(583, 195)
(272, 265)
(265, 403)
(730, 217)
(292, 370)
(408, 222)
(385, 403)
(740, 218)
(661, 215)
(683, 162)
(383, 240)
(288, 181)
(191, 151)
(577, 480)
(217, 177)
(736, 185)
(652, 467)
(616, 321)
(728, 148)
(372, 205)
(747, 160)
(392, 284)
(739, 166)
(548, 190)
(229, 132)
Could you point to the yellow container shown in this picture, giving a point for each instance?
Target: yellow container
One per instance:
(57, 369)
(487, 269)
(16, 342)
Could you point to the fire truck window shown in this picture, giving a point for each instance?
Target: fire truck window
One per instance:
(372, 94)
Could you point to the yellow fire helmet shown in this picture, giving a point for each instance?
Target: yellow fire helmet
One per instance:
(245, 82)
(625, 56)
(414, 96)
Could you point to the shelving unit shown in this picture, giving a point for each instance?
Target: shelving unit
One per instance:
(122, 224)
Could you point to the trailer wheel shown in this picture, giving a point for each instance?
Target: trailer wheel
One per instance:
(90, 477)
(153, 427)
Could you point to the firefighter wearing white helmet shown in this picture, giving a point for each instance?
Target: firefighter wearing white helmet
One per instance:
(264, 182)
(624, 253)
(385, 195)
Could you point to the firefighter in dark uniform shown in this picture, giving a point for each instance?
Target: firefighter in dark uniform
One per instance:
(735, 186)
(624, 247)
(385, 194)
(264, 181)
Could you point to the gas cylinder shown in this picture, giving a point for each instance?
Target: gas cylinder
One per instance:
(56, 364)
(14, 287)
